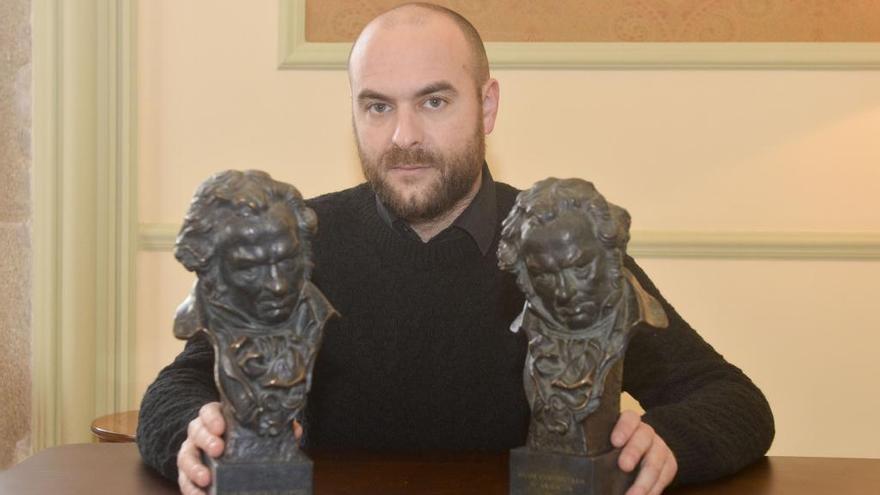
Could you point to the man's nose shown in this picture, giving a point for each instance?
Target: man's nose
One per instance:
(276, 282)
(408, 132)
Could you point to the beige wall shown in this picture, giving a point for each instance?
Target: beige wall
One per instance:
(15, 233)
(733, 151)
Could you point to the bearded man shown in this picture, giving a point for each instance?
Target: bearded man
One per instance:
(422, 356)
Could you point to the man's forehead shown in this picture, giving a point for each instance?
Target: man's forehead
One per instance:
(397, 53)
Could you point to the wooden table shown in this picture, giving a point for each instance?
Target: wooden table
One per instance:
(117, 468)
(119, 427)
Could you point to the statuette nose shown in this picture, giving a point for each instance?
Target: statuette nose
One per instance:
(564, 288)
(276, 283)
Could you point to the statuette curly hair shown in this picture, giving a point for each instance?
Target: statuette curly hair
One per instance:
(547, 200)
(243, 194)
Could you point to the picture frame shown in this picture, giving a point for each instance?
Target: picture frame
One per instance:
(296, 52)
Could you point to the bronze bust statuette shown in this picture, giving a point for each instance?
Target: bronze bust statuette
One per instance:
(566, 246)
(247, 237)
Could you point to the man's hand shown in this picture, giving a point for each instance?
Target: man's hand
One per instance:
(641, 443)
(203, 434)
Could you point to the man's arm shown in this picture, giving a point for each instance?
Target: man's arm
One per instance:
(172, 401)
(712, 417)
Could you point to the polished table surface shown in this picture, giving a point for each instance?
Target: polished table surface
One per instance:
(119, 427)
(117, 468)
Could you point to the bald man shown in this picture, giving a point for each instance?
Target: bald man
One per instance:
(422, 357)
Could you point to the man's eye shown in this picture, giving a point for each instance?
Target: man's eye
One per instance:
(435, 102)
(378, 108)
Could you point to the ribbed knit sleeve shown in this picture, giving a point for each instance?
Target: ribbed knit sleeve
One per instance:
(714, 419)
(172, 401)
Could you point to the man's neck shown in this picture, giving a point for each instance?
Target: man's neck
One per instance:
(426, 230)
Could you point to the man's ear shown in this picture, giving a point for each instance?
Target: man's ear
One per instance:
(490, 94)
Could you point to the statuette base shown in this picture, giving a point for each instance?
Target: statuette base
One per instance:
(542, 473)
(261, 478)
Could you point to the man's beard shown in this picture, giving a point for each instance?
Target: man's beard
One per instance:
(458, 172)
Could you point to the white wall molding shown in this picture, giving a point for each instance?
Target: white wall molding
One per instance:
(757, 245)
(294, 52)
(679, 244)
(157, 236)
(46, 300)
(117, 207)
(84, 218)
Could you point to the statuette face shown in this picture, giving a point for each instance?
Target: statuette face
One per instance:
(568, 270)
(262, 266)
(247, 237)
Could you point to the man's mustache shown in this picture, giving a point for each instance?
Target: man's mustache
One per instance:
(397, 156)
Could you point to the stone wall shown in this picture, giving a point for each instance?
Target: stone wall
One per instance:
(15, 230)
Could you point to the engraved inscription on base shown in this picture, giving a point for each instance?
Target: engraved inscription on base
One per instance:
(554, 483)
(270, 492)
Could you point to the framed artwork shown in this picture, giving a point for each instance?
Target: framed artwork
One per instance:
(624, 34)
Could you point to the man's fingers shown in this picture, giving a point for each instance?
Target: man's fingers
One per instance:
(212, 445)
(190, 466)
(670, 467)
(187, 487)
(297, 430)
(647, 481)
(204, 439)
(212, 418)
(652, 465)
(626, 425)
(635, 448)
(666, 475)
(202, 434)
(642, 446)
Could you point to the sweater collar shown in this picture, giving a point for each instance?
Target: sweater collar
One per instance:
(479, 220)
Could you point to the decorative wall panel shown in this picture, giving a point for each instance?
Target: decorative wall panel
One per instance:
(627, 20)
(611, 34)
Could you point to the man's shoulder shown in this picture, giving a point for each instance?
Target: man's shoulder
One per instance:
(505, 195)
(505, 189)
(339, 212)
(342, 204)
(340, 199)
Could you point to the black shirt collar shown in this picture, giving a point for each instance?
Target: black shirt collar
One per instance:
(479, 219)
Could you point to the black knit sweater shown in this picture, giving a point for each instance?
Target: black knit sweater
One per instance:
(423, 358)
